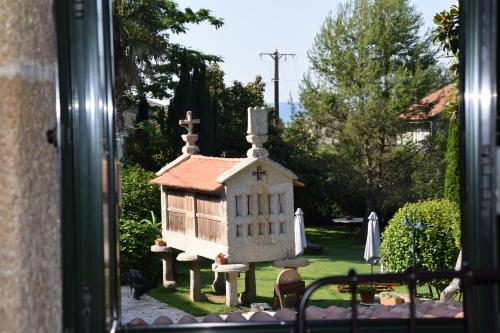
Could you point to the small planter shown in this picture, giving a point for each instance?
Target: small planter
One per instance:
(390, 299)
(160, 242)
(367, 296)
(221, 259)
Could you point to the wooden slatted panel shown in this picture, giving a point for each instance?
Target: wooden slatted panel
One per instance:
(176, 222)
(210, 230)
(207, 204)
(176, 200)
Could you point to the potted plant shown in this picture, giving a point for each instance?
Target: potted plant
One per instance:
(390, 299)
(221, 259)
(160, 242)
(367, 293)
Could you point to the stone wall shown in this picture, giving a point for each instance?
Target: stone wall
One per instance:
(261, 245)
(30, 258)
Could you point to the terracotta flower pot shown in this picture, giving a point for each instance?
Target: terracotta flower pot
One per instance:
(220, 261)
(367, 296)
(160, 242)
(391, 301)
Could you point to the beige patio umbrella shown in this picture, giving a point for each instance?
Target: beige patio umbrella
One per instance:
(372, 240)
(300, 232)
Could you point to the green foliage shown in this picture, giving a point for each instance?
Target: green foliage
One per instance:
(232, 103)
(437, 245)
(447, 33)
(147, 146)
(136, 239)
(368, 66)
(139, 196)
(366, 288)
(298, 150)
(146, 61)
(192, 94)
(389, 295)
(452, 176)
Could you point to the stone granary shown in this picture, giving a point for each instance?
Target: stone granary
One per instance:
(242, 208)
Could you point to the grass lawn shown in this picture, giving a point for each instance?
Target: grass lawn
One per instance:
(342, 250)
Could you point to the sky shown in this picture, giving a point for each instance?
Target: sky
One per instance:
(260, 26)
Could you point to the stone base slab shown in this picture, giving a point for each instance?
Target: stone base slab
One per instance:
(167, 249)
(170, 285)
(291, 263)
(184, 256)
(230, 268)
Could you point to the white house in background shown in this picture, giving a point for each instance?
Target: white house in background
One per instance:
(424, 115)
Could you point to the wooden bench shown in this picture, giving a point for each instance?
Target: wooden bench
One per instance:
(381, 286)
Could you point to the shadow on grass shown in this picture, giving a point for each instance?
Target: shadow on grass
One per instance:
(180, 300)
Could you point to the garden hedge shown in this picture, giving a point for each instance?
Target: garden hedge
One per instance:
(437, 245)
(138, 196)
(136, 238)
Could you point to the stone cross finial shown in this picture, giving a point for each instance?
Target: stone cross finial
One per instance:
(188, 122)
(257, 132)
(259, 173)
(190, 139)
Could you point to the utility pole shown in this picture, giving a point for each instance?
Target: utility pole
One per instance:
(276, 56)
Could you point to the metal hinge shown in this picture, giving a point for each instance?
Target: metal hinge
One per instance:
(52, 136)
(86, 309)
(78, 8)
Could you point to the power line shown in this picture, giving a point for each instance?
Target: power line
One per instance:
(276, 56)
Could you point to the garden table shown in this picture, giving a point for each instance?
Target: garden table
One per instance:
(351, 223)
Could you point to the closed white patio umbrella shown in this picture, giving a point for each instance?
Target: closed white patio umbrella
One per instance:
(372, 240)
(300, 232)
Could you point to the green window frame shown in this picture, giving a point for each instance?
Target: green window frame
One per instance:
(89, 181)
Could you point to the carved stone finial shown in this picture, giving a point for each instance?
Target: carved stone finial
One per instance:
(257, 131)
(190, 139)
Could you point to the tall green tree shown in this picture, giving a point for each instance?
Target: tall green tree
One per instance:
(192, 94)
(446, 35)
(369, 63)
(146, 61)
(452, 175)
(232, 103)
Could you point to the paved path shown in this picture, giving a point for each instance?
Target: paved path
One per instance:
(146, 308)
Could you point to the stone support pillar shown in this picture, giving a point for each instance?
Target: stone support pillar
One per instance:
(219, 284)
(168, 271)
(232, 271)
(232, 288)
(195, 294)
(250, 294)
(168, 265)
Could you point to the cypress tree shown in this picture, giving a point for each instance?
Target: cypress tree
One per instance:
(204, 109)
(181, 103)
(142, 110)
(452, 177)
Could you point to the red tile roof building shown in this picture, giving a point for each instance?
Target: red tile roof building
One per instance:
(431, 105)
(197, 172)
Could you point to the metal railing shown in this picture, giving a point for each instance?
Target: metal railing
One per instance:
(468, 277)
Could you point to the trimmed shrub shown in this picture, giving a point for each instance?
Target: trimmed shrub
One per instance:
(136, 238)
(437, 245)
(139, 196)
